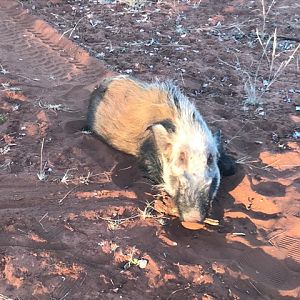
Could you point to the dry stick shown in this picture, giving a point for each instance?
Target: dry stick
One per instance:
(58, 16)
(3, 71)
(65, 295)
(75, 26)
(174, 45)
(67, 194)
(54, 107)
(41, 162)
(71, 29)
(141, 214)
(216, 121)
(264, 54)
(236, 135)
(182, 79)
(273, 52)
(248, 163)
(124, 169)
(238, 234)
(42, 218)
(120, 221)
(237, 67)
(2, 297)
(41, 175)
(265, 13)
(272, 164)
(87, 177)
(287, 38)
(283, 65)
(255, 287)
(275, 236)
(225, 27)
(264, 48)
(25, 77)
(245, 160)
(70, 288)
(65, 178)
(174, 292)
(82, 281)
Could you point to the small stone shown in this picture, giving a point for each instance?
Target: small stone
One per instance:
(143, 263)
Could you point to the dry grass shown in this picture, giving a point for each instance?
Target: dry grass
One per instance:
(133, 3)
(271, 64)
(7, 87)
(114, 223)
(77, 179)
(265, 12)
(53, 107)
(274, 72)
(3, 71)
(147, 213)
(255, 163)
(254, 87)
(71, 30)
(2, 297)
(4, 150)
(60, 201)
(3, 119)
(6, 164)
(67, 177)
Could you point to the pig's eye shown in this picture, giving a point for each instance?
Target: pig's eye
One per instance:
(210, 159)
(182, 158)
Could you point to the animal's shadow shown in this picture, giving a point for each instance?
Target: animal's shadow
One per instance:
(125, 174)
(124, 169)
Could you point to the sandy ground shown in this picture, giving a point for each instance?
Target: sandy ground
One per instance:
(75, 223)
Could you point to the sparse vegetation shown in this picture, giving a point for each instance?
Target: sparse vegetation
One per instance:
(67, 177)
(3, 70)
(3, 118)
(266, 70)
(2, 297)
(255, 83)
(147, 213)
(4, 150)
(53, 107)
(7, 87)
(133, 3)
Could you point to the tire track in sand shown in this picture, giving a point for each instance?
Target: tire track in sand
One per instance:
(40, 50)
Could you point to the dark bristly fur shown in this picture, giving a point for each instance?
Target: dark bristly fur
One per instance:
(149, 156)
(95, 99)
(167, 124)
(149, 161)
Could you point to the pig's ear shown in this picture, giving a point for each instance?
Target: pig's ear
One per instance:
(162, 140)
(226, 163)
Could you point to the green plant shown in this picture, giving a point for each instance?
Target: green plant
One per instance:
(3, 119)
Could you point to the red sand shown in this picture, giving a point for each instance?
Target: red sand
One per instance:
(80, 233)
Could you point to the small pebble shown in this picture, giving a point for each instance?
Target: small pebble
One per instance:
(143, 263)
